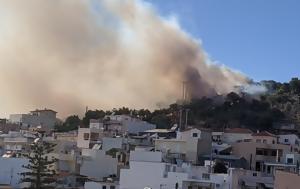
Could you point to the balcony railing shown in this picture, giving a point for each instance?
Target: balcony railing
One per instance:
(16, 140)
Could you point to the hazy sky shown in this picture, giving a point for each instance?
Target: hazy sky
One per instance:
(67, 55)
(258, 37)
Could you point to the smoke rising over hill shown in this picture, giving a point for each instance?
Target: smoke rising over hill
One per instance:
(67, 54)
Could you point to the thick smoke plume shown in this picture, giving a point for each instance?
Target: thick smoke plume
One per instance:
(66, 54)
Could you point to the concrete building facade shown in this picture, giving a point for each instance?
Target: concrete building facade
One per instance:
(45, 118)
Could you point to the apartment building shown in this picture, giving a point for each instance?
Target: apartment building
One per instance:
(148, 170)
(258, 152)
(189, 145)
(233, 135)
(44, 118)
(124, 124)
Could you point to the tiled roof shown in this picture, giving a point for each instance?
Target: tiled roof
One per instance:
(239, 130)
(264, 133)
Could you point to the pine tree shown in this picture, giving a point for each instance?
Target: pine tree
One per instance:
(40, 174)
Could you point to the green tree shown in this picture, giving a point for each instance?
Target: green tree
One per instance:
(162, 121)
(144, 114)
(71, 123)
(295, 85)
(284, 88)
(41, 173)
(122, 111)
(92, 114)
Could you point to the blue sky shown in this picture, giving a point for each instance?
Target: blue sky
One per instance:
(260, 38)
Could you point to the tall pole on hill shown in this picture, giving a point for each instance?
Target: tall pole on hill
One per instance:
(186, 117)
(181, 109)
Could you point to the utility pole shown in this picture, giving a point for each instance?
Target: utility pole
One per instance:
(186, 117)
(183, 91)
(181, 107)
(180, 119)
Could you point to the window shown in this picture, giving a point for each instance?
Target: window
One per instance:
(206, 176)
(255, 174)
(112, 187)
(258, 166)
(259, 151)
(264, 141)
(195, 135)
(258, 140)
(104, 187)
(290, 160)
(94, 136)
(174, 168)
(286, 140)
(274, 153)
(168, 168)
(86, 136)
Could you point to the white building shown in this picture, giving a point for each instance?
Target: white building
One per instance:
(116, 142)
(101, 185)
(10, 169)
(148, 170)
(88, 137)
(16, 141)
(247, 179)
(264, 137)
(45, 118)
(96, 123)
(289, 139)
(189, 145)
(125, 124)
(234, 135)
(96, 165)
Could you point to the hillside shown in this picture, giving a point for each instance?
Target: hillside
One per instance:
(280, 102)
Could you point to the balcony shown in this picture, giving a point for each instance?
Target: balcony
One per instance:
(15, 140)
(267, 158)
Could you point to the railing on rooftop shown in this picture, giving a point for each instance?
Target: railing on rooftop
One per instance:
(16, 139)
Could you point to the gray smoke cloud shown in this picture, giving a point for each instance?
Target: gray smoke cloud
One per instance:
(68, 54)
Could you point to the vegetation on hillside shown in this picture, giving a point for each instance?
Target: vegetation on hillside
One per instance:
(285, 97)
(281, 101)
